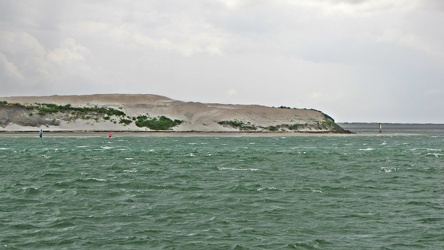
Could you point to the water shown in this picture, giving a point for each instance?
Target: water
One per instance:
(226, 192)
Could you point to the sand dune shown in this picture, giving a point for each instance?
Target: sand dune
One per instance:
(198, 117)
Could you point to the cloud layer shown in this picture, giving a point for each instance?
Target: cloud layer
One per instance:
(357, 60)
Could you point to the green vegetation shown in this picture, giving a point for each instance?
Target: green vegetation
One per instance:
(96, 113)
(84, 113)
(78, 112)
(294, 126)
(5, 103)
(273, 128)
(331, 123)
(285, 127)
(251, 127)
(93, 110)
(125, 121)
(238, 124)
(161, 123)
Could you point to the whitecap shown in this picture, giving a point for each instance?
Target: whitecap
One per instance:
(366, 149)
(134, 170)
(388, 169)
(266, 188)
(434, 154)
(238, 169)
(433, 149)
(95, 179)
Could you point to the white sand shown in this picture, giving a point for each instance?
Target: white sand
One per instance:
(199, 117)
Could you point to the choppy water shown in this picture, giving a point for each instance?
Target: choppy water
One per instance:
(302, 192)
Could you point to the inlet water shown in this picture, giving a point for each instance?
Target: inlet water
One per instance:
(222, 192)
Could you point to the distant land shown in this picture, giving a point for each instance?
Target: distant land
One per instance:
(144, 112)
(373, 127)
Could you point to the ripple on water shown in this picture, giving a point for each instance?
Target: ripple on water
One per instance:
(302, 192)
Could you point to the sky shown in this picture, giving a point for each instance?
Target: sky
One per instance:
(355, 60)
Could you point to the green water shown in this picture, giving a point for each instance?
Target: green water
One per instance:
(226, 192)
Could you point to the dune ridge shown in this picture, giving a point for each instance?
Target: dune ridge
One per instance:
(16, 115)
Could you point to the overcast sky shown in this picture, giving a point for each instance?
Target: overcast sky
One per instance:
(356, 60)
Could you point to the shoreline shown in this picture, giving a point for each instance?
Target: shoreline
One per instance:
(157, 133)
(116, 133)
(121, 134)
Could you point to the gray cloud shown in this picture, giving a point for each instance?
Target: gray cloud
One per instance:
(357, 60)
